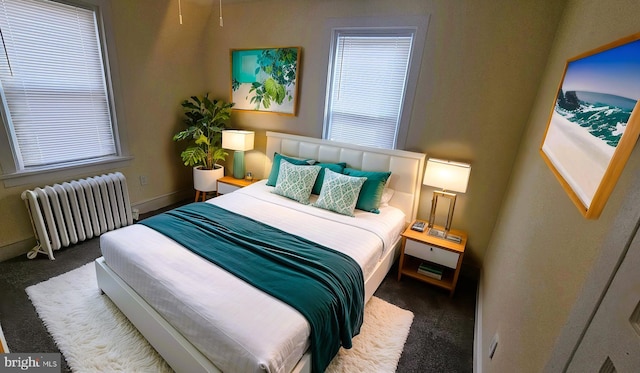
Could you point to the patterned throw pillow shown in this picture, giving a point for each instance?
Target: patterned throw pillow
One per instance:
(275, 168)
(295, 182)
(335, 167)
(339, 192)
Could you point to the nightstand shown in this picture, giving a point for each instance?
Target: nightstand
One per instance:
(228, 184)
(419, 247)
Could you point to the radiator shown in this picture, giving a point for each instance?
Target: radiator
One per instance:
(74, 211)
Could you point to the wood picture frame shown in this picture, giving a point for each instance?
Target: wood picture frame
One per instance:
(265, 80)
(594, 122)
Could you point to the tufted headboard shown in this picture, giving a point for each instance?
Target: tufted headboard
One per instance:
(406, 167)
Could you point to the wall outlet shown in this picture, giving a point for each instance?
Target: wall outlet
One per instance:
(494, 345)
(143, 180)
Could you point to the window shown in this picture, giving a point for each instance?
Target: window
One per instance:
(370, 84)
(56, 105)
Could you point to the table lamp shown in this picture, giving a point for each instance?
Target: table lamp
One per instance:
(239, 141)
(451, 177)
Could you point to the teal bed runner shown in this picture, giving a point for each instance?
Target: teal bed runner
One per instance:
(324, 285)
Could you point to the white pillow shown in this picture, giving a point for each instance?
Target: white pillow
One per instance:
(296, 182)
(387, 194)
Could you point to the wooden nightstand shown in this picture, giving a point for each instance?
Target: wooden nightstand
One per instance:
(230, 184)
(224, 185)
(419, 247)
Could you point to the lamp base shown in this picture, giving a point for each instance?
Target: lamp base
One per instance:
(440, 233)
(443, 233)
(238, 164)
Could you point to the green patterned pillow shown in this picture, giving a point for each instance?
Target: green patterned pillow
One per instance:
(339, 192)
(335, 167)
(295, 182)
(275, 168)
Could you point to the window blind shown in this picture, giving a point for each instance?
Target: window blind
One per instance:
(367, 88)
(53, 83)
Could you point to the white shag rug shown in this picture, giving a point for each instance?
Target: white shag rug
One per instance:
(94, 336)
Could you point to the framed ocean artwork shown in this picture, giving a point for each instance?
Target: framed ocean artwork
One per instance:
(595, 122)
(265, 80)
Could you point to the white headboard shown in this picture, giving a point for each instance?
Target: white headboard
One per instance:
(406, 167)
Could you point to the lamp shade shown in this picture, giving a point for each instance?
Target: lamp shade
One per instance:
(237, 140)
(450, 176)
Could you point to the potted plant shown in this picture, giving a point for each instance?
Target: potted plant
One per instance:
(205, 120)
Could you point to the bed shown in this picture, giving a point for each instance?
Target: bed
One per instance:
(201, 318)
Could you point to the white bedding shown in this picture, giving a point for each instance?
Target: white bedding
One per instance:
(238, 327)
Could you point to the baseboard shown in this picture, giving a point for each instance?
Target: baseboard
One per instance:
(165, 200)
(477, 339)
(16, 249)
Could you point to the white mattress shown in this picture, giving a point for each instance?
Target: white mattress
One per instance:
(240, 328)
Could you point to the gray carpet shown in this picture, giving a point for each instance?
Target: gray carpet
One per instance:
(440, 340)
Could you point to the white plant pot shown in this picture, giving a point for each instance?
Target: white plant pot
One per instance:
(206, 180)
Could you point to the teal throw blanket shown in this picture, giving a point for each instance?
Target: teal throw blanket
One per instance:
(324, 285)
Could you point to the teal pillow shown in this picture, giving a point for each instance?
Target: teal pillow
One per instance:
(275, 168)
(371, 192)
(339, 192)
(335, 167)
(295, 181)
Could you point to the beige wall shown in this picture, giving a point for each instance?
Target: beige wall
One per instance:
(478, 78)
(542, 249)
(160, 64)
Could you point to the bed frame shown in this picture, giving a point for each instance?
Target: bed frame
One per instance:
(406, 179)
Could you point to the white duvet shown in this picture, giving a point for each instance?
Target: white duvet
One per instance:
(240, 328)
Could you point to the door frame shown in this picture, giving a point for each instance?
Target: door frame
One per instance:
(612, 254)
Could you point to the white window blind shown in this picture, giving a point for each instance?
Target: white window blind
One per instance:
(367, 87)
(56, 103)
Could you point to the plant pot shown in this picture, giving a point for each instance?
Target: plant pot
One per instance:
(206, 180)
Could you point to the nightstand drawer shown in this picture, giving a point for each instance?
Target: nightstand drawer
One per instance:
(224, 188)
(431, 253)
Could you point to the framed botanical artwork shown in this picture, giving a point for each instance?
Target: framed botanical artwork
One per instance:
(265, 80)
(595, 122)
